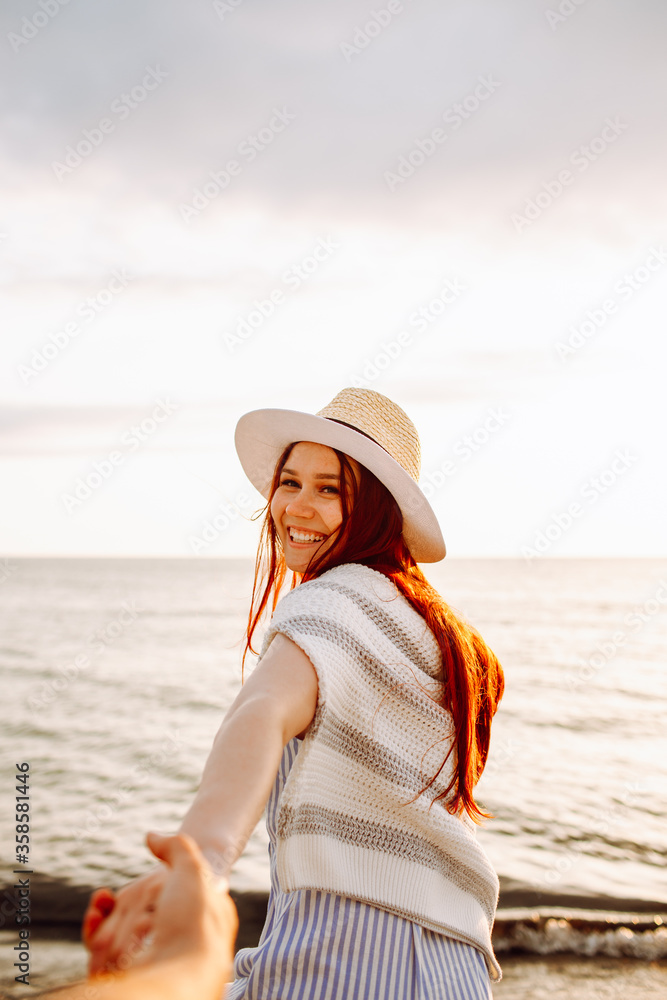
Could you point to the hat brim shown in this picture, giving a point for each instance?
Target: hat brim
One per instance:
(262, 435)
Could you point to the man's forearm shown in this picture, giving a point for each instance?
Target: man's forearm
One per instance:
(176, 979)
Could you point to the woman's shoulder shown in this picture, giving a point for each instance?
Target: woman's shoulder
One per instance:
(347, 578)
(345, 592)
(359, 602)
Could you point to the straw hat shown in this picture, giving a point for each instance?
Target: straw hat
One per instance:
(388, 446)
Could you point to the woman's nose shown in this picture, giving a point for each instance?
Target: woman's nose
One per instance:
(299, 506)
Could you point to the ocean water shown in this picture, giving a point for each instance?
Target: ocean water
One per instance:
(116, 674)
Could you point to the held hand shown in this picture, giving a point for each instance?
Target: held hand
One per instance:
(115, 925)
(195, 918)
(100, 906)
(194, 925)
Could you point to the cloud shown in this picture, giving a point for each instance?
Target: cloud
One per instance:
(413, 143)
(353, 120)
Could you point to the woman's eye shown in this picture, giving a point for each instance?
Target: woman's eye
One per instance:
(289, 482)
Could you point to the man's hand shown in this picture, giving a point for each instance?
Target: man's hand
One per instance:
(193, 924)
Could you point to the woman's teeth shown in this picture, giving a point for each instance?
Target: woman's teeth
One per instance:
(304, 536)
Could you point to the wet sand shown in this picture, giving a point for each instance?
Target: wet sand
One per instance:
(563, 977)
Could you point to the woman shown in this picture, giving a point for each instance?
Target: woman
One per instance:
(365, 725)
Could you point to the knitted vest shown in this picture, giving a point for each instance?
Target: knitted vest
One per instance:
(351, 818)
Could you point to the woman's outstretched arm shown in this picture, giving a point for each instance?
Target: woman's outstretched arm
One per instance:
(277, 703)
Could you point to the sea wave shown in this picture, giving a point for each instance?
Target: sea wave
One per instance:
(118, 746)
(618, 935)
(547, 930)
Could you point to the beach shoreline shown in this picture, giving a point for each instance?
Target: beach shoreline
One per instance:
(59, 959)
(567, 952)
(551, 952)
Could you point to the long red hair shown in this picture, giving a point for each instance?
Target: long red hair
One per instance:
(371, 534)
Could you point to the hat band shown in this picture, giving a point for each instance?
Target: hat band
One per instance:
(334, 420)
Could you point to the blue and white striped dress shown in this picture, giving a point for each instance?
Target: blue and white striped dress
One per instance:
(320, 946)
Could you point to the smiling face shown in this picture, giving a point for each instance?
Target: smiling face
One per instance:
(306, 507)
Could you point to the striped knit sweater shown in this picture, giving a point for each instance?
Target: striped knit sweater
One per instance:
(352, 821)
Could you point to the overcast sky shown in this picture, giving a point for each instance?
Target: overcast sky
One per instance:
(213, 207)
